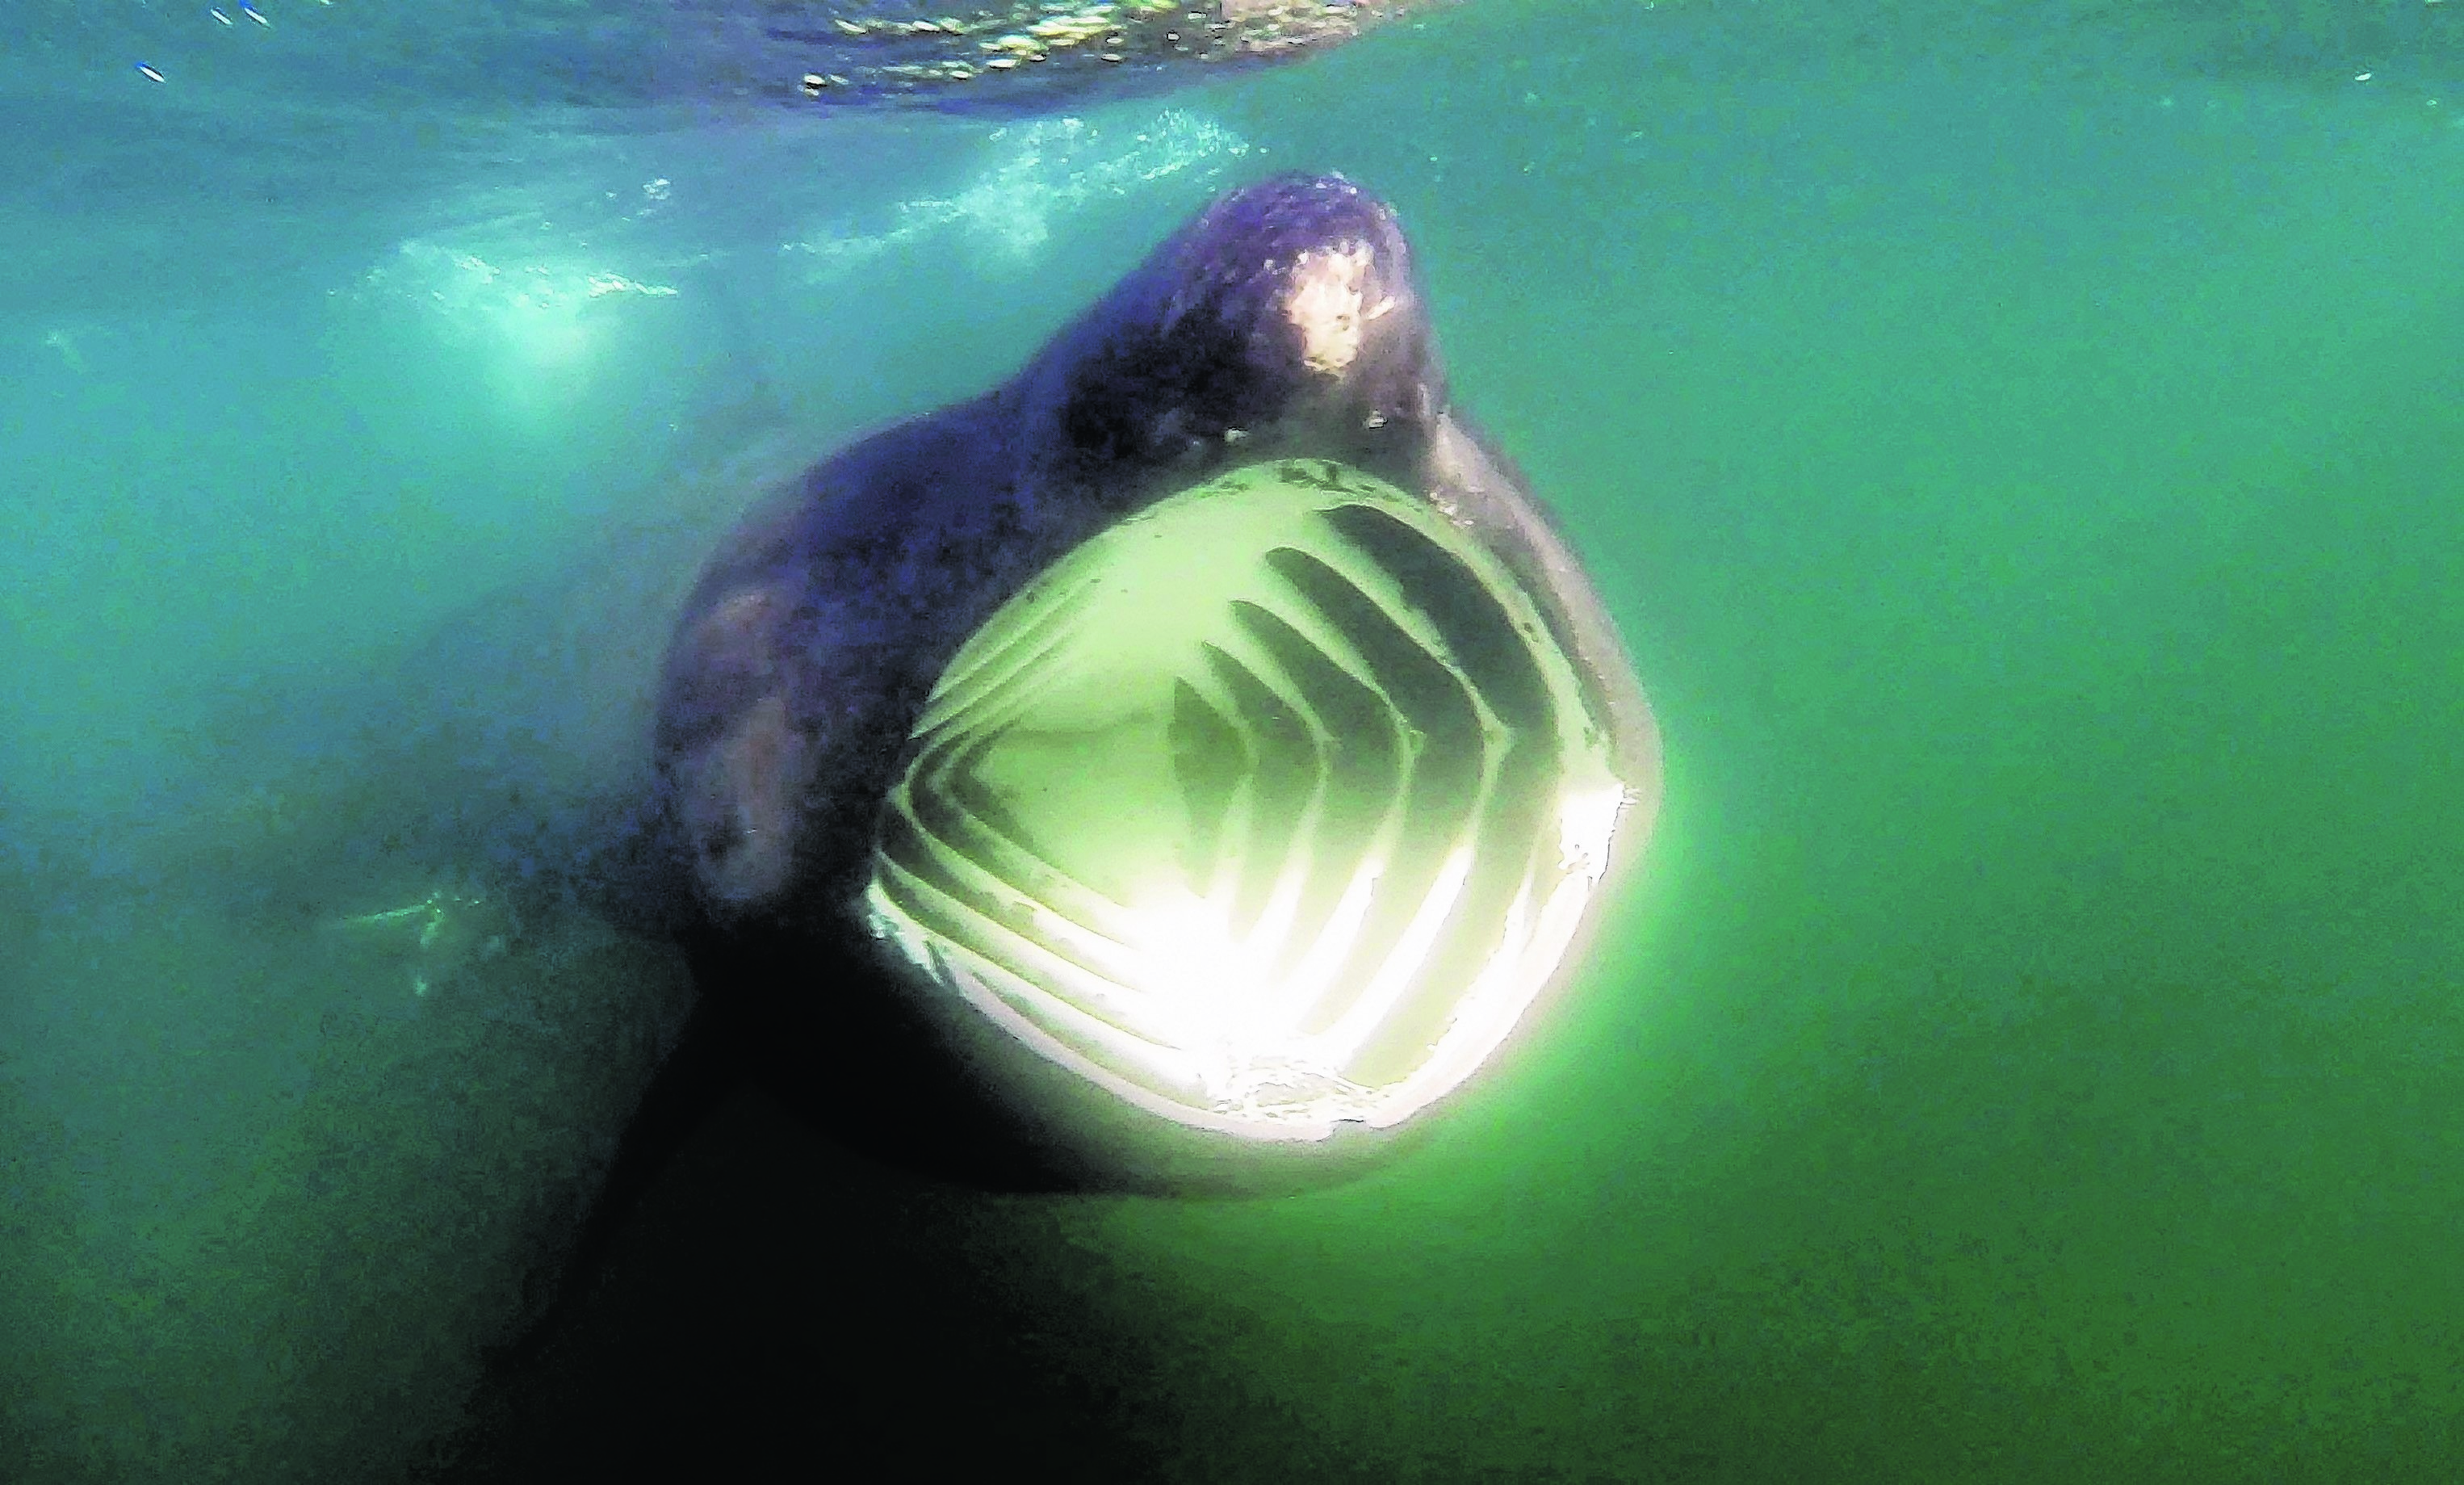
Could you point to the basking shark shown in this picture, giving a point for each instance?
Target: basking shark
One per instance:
(1178, 768)
(1182, 768)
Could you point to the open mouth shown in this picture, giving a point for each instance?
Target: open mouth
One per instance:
(1270, 808)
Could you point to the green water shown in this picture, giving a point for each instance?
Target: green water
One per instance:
(2024, 461)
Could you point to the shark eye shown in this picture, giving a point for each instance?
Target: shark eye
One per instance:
(1268, 811)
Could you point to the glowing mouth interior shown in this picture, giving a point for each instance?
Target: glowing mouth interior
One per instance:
(1269, 809)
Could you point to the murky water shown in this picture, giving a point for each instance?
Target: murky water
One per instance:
(2020, 446)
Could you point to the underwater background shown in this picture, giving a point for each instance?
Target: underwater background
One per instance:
(2022, 444)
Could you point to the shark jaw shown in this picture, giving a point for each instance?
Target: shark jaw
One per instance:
(1270, 810)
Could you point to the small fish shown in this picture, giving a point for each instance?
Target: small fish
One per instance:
(440, 934)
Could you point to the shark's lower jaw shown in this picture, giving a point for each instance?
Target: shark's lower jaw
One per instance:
(1270, 810)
